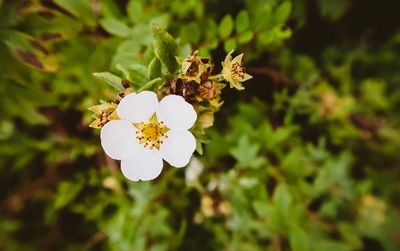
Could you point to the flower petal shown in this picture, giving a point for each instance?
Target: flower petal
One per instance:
(246, 77)
(176, 113)
(228, 60)
(236, 84)
(118, 139)
(138, 107)
(145, 164)
(237, 59)
(178, 148)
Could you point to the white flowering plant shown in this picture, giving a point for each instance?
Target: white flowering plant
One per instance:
(164, 118)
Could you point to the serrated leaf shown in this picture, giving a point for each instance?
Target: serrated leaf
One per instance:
(154, 69)
(165, 48)
(111, 79)
(242, 21)
(225, 28)
(246, 153)
(115, 27)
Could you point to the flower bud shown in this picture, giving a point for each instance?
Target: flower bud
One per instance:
(209, 90)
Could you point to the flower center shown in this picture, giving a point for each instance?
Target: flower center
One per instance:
(238, 70)
(151, 133)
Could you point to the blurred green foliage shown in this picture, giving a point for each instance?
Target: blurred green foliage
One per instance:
(306, 158)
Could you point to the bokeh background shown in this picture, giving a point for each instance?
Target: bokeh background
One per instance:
(306, 158)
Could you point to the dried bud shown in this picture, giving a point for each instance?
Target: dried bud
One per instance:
(225, 208)
(209, 90)
(328, 103)
(122, 94)
(125, 83)
(183, 88)
(207, 206)
(196, 68)
(104, 113)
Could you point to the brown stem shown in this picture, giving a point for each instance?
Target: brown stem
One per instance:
(275, 76)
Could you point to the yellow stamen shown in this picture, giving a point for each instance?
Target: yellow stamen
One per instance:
(151, 133)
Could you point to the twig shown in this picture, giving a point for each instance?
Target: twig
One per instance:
(94, 240)
(276, 77)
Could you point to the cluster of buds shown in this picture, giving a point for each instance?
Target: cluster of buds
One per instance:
(196, 84)
(211, 207)
(103, 113)
(193, 82)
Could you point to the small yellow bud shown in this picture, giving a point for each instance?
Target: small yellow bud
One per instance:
(206, 119)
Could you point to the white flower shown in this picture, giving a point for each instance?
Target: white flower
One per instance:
(148, 132)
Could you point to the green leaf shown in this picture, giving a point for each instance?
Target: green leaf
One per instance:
(266, 37)
(373, 94)
(246, 37)
(350, 234)
(184, 50)
(109, 8)
(110, 79)
(161, 21)
(80, 9)
(154, 68)
(152, 84)
(226, 26)
(330, 245)
(282, 200)
(242, 21)
(199, 147)
(298, 239)
(230, 45)
(246, 153)
(212, 30)
(165, 48)
(262, 19)
(190, 32)
(135, 11)
(267, 212)
(115, 27)
(135, 73)
(333, 9)
(282, 12)
(66, 193)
